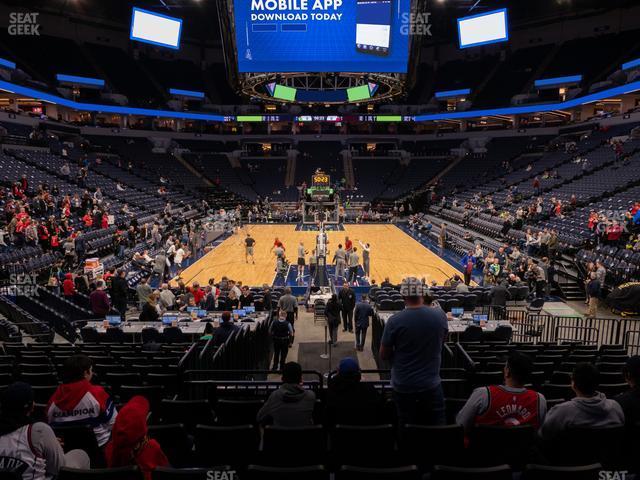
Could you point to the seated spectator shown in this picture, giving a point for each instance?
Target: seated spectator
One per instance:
(290, 405)
(28, 448)
(99, 300)
(130, 443)
(225, 330)
(506, 405)
(630, 400)
(150, 309)
(589, 408)
(78, 402)
(208, 332)
(348, 400)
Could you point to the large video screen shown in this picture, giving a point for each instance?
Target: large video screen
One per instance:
(484, 28)
(322, 35)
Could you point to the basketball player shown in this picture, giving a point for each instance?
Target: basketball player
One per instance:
(249, 242)
(277, 244)
(354, 263)
(366, 249)
(340, 261)
(301, 262)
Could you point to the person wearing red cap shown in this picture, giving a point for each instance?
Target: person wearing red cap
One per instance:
(130, 443)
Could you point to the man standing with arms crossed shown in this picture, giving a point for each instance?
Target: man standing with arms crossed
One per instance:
(347, 303)
(412, 341)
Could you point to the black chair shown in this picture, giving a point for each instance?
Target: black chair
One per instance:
(305, 446)
(168, 473)
(547, 472)
(188, 412)
(483, 379)
(114, 335)
(215, 443)
(122, 473)
(175, 443)
(311, 472)
(237, 412)
(348, 472)
(455, 387)
(426, 445)
(375, 445)
(10, 476)
(173, 335)
(90, 335)
(586, 445)
(80, 437)
(452, 407)
(472, 333)
(153, 393)
(500, 472)
(150, 334)
(515, 445)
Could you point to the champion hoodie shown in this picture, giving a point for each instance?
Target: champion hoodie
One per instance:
(82, 403)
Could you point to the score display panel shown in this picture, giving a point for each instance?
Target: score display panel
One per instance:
(320, 180)
(284, 36)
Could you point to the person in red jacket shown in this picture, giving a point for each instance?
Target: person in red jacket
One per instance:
(68, 286)
(130, 443)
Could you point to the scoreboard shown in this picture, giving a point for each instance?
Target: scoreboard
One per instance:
(320, 180)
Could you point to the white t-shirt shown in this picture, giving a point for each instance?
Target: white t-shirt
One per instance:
(179, 256)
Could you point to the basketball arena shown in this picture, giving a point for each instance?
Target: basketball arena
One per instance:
(319, 239)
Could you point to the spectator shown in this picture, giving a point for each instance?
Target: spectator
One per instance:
(167, 299)
(589, 408)
(412, 340)
(68, 286)
(28, 448)
(289, 304)
(225, 330)
(150, 310)
(130, 443)
(282, 336)
(143, 290)
(246, 299)
(99, 300)
(499, 296)
(332, 314)
(348, 400)
(593, 293)
(630, 400)
(291, 405)
(119, 292)
(78, 402)
(506, 405)
(363, 314)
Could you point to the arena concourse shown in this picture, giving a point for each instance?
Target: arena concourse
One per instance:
(368, 239)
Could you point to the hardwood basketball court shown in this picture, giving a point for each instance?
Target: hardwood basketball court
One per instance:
(394, 254)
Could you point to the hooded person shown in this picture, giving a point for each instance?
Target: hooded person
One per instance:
(348, 400)
(78, 402)
(29, 449)
(291, 405)
(130, 443)
(589, 408)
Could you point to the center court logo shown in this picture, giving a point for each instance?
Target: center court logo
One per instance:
(23, 24)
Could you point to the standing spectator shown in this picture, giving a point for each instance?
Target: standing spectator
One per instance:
(29, 448)
(332, 314)
(282, 336)
(363, 314)
(289, 304)
(78, 402)
(119, 292)
(291, 405)
(143, 290)
(507, 405)
(340, 261)
(499, 296)
(412, 340)
(130, 443)
(347, 304)
(99, 300)
(468, 263)
(68, 286)
(630, 400)
(593, 292)
(168, 299)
